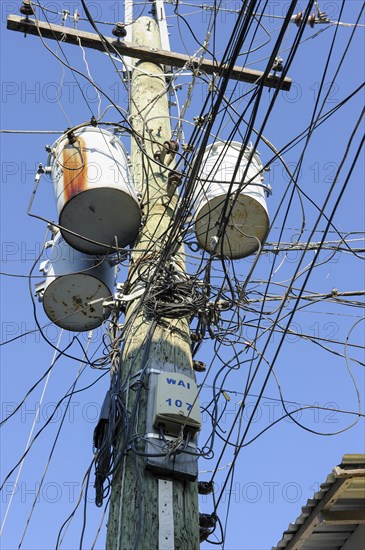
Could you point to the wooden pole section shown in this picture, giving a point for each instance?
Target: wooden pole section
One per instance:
(141, 51)
(134, 506)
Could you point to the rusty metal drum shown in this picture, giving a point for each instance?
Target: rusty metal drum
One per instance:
(230, 185)
(76, 286)
(96, 200)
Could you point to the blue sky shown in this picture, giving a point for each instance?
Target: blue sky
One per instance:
(275, 474)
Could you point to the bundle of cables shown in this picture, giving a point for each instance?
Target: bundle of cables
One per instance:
(174, 295)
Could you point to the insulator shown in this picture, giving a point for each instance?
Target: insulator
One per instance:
(173, 181)
(157, 154)
(207, 521)
(207, 525)
(174, 178)
(71, 138)
(298, 18)
(278, 65)
(119, 30)
(312, 20)
(204, 533)
(167, 153)
(195, 337)
(199, 120)
(172, 146)
(205, 487)
(26, 8)
(199, 366)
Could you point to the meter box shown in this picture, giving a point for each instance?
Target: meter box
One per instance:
(176, 403)
(164, 421)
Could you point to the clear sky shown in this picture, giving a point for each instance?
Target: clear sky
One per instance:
(276, 473)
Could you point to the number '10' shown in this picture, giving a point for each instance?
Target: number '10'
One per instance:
(178, 403)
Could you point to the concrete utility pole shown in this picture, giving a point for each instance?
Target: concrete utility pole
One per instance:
(170, 341)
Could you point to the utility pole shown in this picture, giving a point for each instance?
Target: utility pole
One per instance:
(154, 507)
(168, 343)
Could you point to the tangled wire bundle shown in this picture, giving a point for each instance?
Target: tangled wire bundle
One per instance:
(173, 295)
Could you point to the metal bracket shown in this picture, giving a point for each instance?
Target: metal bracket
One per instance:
(165, 516)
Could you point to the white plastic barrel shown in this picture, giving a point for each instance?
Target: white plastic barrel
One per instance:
(94, 192)
(75, 287)
(248, 219)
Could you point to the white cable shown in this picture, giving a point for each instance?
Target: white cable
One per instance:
(89, 75)
(31, 431)
(63, 74)
(218, 469)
